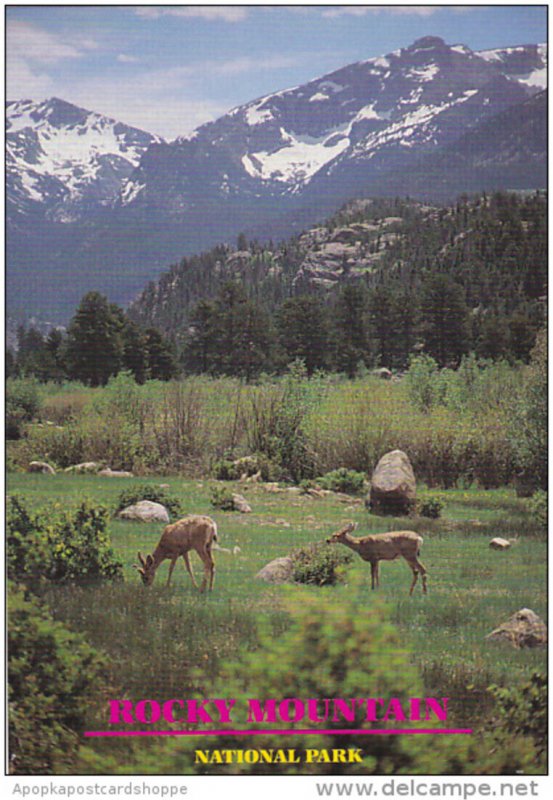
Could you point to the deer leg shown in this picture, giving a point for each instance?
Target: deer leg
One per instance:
(415, 576)
(209, 568)
(374, 574)
(417, 566)
(171, 568)
(189, 568)
(422, 570)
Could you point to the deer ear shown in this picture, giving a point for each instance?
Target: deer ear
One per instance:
(141, 559)
(138, 569)
(149, 561)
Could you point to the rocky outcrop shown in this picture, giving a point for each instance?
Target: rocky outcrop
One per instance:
(393, 485)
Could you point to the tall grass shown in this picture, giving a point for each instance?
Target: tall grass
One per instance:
(457, 437)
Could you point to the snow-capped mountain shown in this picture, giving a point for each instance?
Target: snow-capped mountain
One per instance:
(374, 113)
(62, 160)
(95, 198)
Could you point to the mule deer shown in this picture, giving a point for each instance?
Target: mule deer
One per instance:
(385, 547)
(191, 533)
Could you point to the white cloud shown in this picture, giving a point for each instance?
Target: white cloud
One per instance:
(30, 51)
(123, 58)
(361, 11)
(208, 13)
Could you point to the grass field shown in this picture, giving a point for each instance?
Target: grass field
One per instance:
(156, 638)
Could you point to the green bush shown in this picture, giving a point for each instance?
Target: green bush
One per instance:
(22, 404)
(528, 428)
(59, 545)
(430, 506)
(226, 469)
(156, 494)
(538, 507)
(319, 564)
(53, 675)
(222, 498)
(343, 480)
(523, 710)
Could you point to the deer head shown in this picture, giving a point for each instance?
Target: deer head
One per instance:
(340, 535)
(147, 570)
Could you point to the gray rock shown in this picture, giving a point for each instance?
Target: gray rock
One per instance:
(115, 473)
(41, 466)
(523, 629)
(145, 511)
(500, 544)
(393, 485)
(241, 504)
(86, 468)
(277, 571)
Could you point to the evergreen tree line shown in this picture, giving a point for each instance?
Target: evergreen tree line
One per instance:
(469, 278)
(100, 341)
(357, 328)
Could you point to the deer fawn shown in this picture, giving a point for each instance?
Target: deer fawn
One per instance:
(191, 533)
(385, 547)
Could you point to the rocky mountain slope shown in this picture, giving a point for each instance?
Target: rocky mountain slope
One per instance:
(95, 204)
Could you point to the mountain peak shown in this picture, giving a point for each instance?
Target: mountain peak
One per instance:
(427, 43)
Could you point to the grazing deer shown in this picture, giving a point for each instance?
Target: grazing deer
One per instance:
(385, 547)
(191, 533)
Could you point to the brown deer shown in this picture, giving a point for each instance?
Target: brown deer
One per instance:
(385, 547)
(191, 533)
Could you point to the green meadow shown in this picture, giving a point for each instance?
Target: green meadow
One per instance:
(157, 638)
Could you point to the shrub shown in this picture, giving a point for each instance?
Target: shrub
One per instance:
(22, 404)
(222, 498)
(523, 710)
(538, 507)
(343, 480)
(59, 545)
(52, 677)
(430, 506)
(425, 383)
(27, 550)
(319, 564)
(529, 420)
(156, 494)
(228, 470)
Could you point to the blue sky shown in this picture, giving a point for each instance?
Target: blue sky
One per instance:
(167, 69)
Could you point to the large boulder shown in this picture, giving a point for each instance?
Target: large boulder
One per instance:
(277, 571)
(393, 485)
(523, 629)
(41, 466)
(145, 511)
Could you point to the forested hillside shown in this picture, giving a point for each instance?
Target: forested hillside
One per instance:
(380, 280)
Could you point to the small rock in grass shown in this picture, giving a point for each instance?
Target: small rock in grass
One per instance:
(500, 544)
(41, 466)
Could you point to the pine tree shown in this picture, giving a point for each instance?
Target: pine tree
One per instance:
(444, 319)
(94, 341)
(351, 337)
(303, 332)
